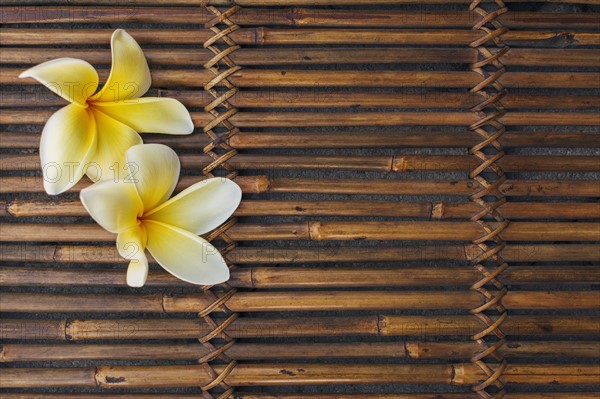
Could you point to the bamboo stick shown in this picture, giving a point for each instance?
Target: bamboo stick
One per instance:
(40, 97)
(392, 163)
(289, 277)
(291, 374)
(19, 207)
(326, 231)
(263, 184)
(416, 350)
(268, 255)
(345, 119)
(296, 17)
(272, 36)
(285, 301)
(250, 140)
(348, 78)
(315, 56)
(368, 325)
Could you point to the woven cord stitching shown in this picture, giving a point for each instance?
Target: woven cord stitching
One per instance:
(220, 129)
(490, 176)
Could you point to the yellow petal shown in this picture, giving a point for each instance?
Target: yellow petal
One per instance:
(72, 79)
(68, 143)
(129, 76)
(201, 207)
(154, 170)
(131, 245)
(113, 205)
(185, 255)
(114, 139)
(151, 115)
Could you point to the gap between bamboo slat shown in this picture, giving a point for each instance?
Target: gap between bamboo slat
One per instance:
(294, 17)
(315, 56)
(18, 207)
(261, 327)
(397, 163)
(292, 374)
(277, 301)
(349, 139)
(347, 78)
(415, 350)
(326, 231)
(27, 252)
(294, 277)
(264, 184)
(262, 36)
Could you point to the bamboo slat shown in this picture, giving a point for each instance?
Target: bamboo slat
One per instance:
(261, 327)
(263, 184)
(416, 350)
(291, 374)
(272, 36)
(326, 231)
(316, 56)
(348, 78)
(321, 277)
(295, 17)
(26, 252)
(40, 97)
(251, 140)
(274, 301)
(399, 163)
(439, 210)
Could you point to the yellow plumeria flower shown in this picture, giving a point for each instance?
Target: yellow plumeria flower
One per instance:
(139, 210)
(97, 128)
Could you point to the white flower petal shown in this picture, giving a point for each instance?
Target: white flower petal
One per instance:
(185, 255)
(113, 205)
(131, 245)
(154, 172)
(200, 208)
(151, 115)
(67, 144)
(114, 139)
(129, 76)
(72, 79)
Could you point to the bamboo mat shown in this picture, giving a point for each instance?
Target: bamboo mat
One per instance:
(420, 216)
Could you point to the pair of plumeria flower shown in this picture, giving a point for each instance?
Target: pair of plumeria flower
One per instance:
(100, 129)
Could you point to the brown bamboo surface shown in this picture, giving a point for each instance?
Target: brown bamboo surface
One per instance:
(347, 139)
(326, 231)
(26, 252)
(438, 210)
(295, 374)
(378, 325)
(354, 129)
(394, 163)
(416, 350)
(301, 17)
(349, 78)
(321, 277)
(316, 56)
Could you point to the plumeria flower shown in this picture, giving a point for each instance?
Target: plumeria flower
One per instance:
(91, 134)
(139, 210)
